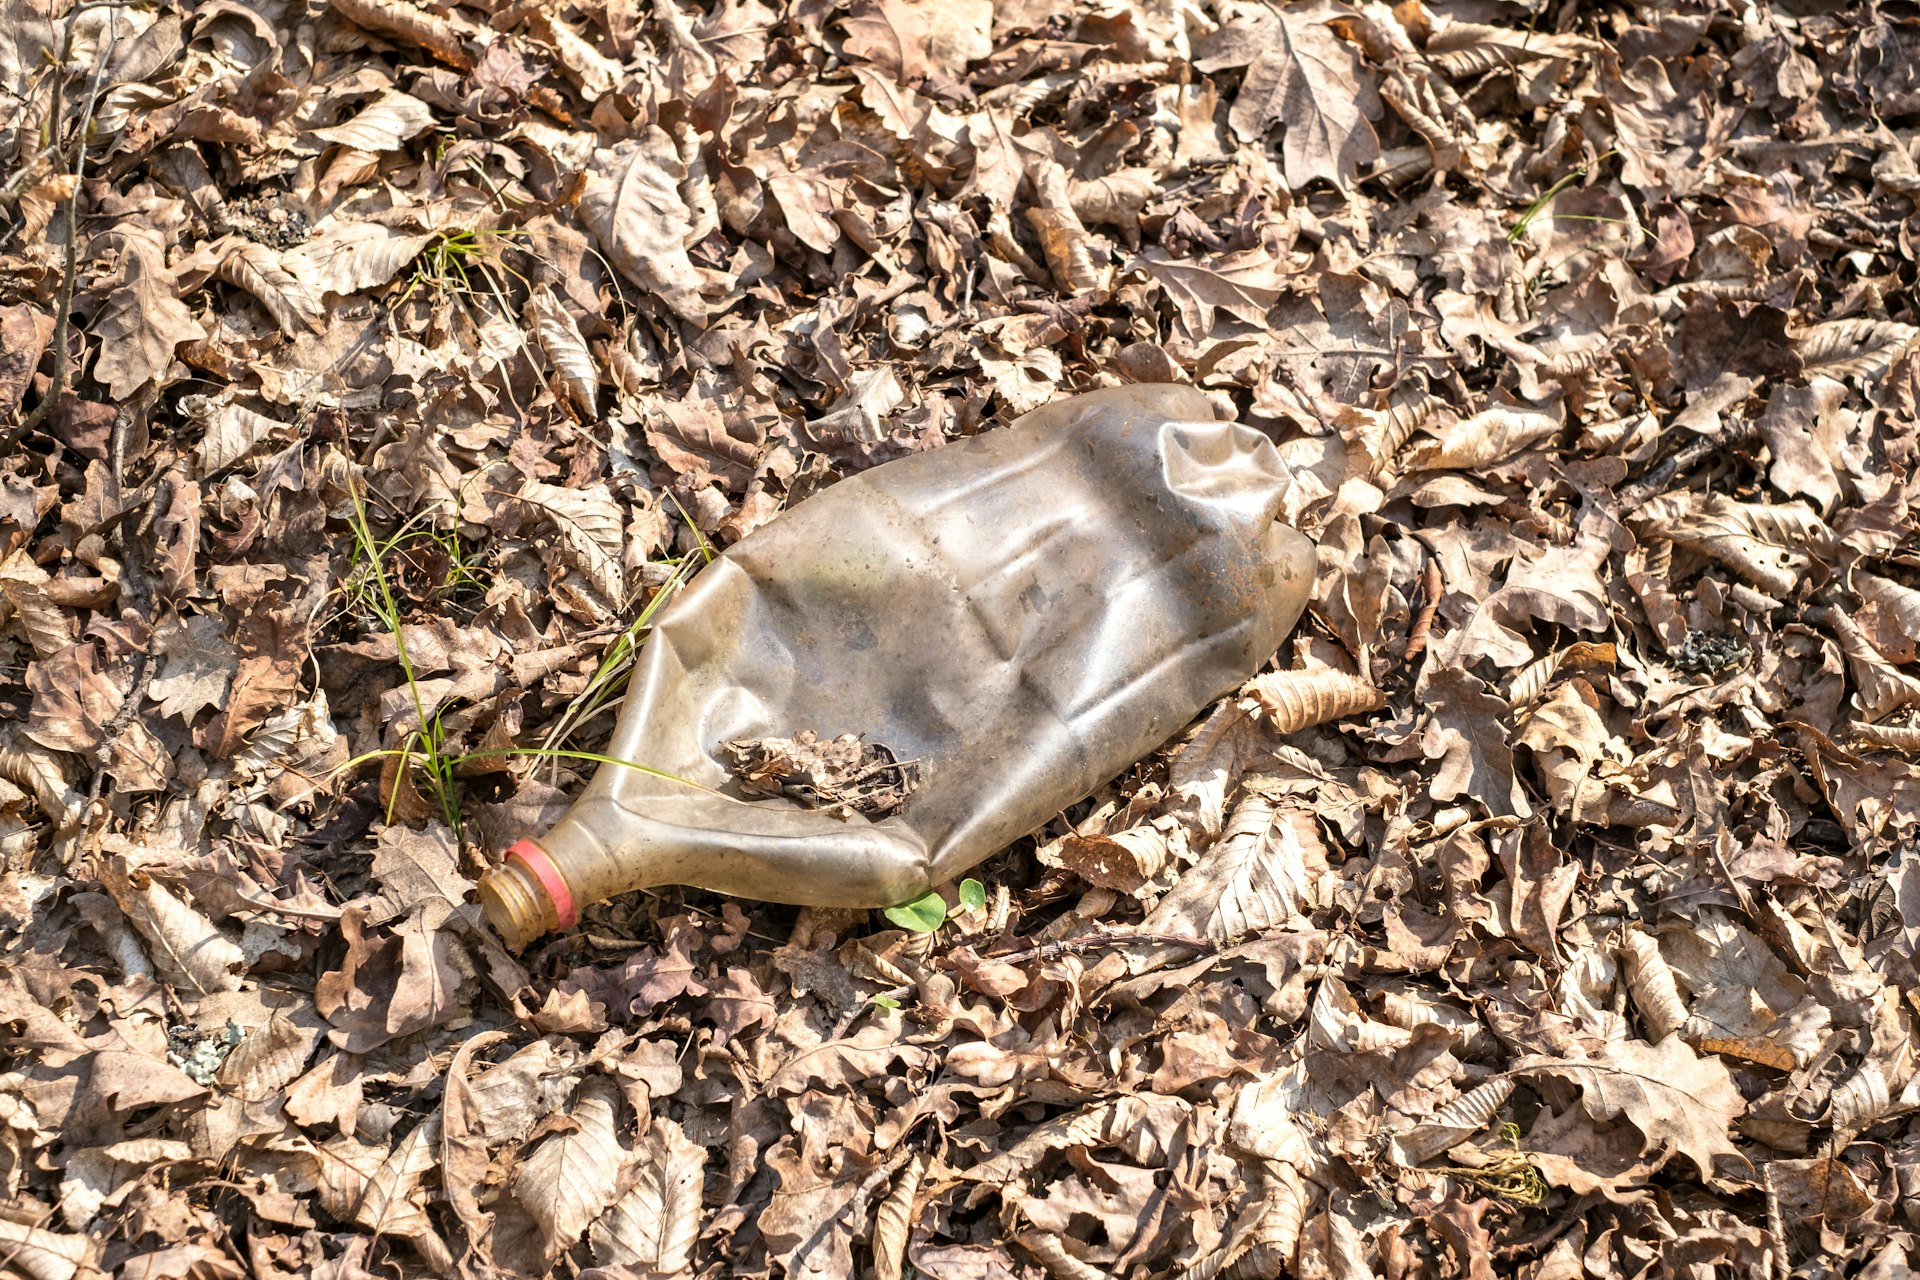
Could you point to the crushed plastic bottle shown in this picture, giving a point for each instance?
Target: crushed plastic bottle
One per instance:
(1020, 616)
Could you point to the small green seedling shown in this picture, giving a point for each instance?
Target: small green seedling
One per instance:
(973, 894)
(929, 911)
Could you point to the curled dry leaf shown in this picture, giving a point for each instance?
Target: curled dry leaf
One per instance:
(1335, 1021)
(24, 602)
(1583, 992)
(633, 206)
(1772, 545)
(1453, 1124)
(1859, 1103)
(1300, 74)
(445, 37)
(345, 257)
(100, 1177)
(1059, 1255)
(1300, 698)
(1650, 983)
(380, 1187)
(1116, 199)
(589, 527)
(1895, 615)
(1533, 679)
(143, 319)
(893, 1220)
(1852, 348)
(40, 1254)
(1879, 688)
(1209, 764)
(1139, 1125)
(1122, 860)
(1894, 737)
(1410, 1009)
(1259, 875)
(565, 350)
(191, 954)
(1679, 1101)
(26, 763)
(381, 125)
(912, 39)
(1488, 437)
(1466, 49)
(1265, 1238)
(1064, 240)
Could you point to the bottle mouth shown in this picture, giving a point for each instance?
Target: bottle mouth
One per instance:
(525, 896)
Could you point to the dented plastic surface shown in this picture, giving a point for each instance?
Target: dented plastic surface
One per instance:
(1025, 614)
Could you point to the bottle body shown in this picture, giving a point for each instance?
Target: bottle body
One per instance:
(1023, 614)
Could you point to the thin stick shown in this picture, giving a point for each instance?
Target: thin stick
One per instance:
(63, 304)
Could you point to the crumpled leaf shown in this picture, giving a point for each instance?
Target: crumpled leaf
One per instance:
(190, 953)
(143, 319)
(1298, 74)
(653, 1226)
(565, 349)
(1680, 1102)
(346, 257)
(379, 1186)
(259, 270)
(572, 1177)
(591, 536)
(1258, 875)
(912, 39)
(633, 206)
(1302, 697)
(382, 124)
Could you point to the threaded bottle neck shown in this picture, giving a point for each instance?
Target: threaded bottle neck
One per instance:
(517, 904)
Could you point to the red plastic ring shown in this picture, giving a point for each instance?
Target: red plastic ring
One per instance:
(535, 859)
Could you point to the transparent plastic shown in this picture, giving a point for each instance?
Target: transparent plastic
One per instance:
(1023, 614)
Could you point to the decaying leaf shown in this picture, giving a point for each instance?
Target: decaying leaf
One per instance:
(1306, 696)
(572, 1177)
(1680, 1102)
(187, 949)
(652, 1226)
(1258, 875)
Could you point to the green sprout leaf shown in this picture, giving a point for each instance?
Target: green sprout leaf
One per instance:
(973, 894)
(922, 915)
(886, 1002)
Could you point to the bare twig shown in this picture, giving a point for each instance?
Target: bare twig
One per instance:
(77, 166)
(1662, 474)
(1105, 938)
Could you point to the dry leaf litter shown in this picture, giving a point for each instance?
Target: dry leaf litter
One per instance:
(1549, 910)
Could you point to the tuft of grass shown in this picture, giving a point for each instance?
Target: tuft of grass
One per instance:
(1509, 1176)
(459, 260)
(1519, 228)
(609, 680)
(424, 756)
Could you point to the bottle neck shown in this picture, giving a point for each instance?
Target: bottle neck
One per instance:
(517, 904)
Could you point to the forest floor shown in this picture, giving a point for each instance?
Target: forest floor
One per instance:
(1552, 912)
